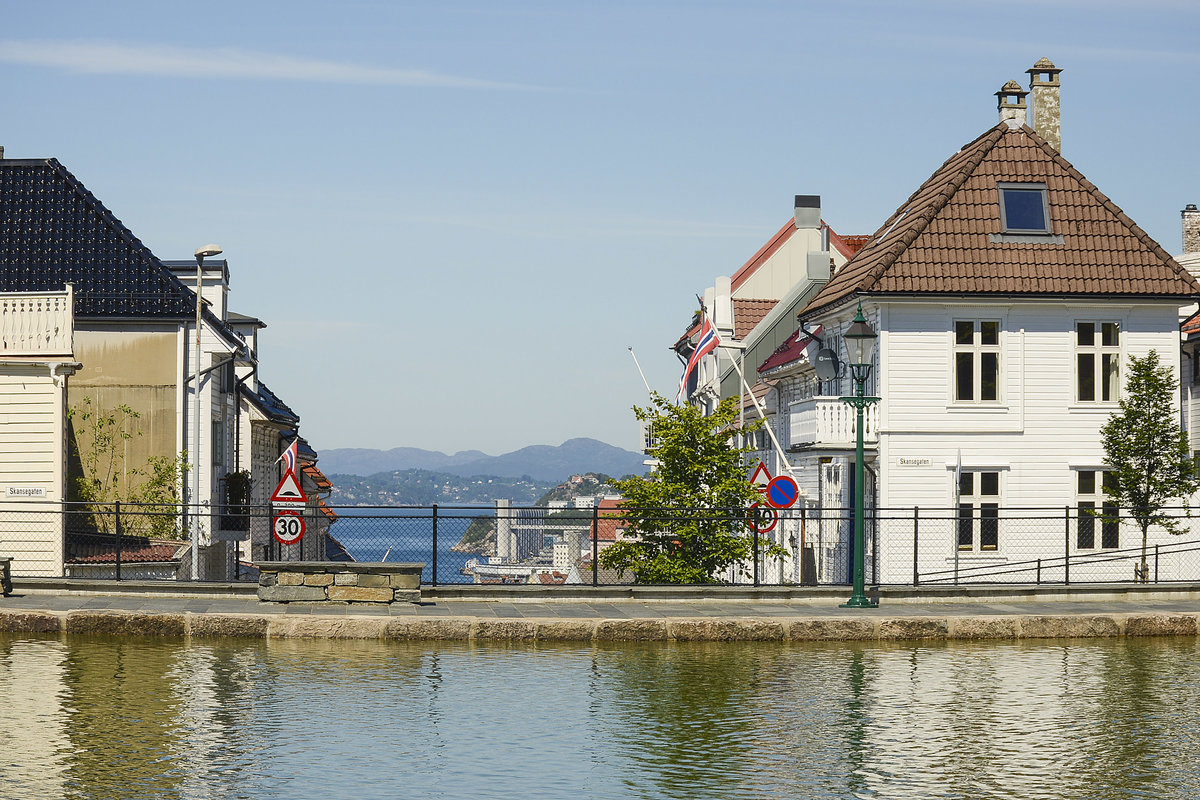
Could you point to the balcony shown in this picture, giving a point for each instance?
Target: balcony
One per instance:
(37, 324)
(827, 422)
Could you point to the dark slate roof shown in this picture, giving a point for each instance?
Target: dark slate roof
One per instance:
(275, 409)
(939, 242)
(53, 231)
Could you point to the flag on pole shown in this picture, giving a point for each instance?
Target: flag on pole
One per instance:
(706, 344)
(289, 456)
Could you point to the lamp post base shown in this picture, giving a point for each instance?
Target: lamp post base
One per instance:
(860, 601)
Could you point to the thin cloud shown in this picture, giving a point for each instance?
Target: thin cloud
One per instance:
(176, 62)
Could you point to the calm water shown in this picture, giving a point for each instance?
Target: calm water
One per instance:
(142, 718)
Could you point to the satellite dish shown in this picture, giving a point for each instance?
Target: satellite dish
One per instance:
(827, 364)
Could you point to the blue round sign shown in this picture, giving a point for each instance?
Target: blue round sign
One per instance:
(782, 492)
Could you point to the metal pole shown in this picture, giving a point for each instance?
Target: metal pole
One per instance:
(755, 527)
(195, 456)
(858, 597)
(118, 516)
(435, 526)
(595, 545)
(1156, 563)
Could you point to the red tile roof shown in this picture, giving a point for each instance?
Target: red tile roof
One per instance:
(939, 241)
(317, 477)
(747, 313)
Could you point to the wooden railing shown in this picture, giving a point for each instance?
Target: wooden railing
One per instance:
(36, 323)
(821, 421)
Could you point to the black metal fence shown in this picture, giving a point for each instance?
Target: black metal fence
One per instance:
(562, 546)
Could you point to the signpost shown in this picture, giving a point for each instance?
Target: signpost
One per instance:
(287, 503)
(288, 527)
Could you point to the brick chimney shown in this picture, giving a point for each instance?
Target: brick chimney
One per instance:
(1010, 101)
(1043, 82)
(1191, 229)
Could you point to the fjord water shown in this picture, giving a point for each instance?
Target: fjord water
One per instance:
(92, 717)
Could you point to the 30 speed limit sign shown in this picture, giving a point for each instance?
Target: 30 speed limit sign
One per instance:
(288, 527)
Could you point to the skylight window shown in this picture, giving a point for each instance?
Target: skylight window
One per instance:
(1023, 208)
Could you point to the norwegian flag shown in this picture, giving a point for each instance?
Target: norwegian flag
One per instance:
(289, 456)
(706, 344)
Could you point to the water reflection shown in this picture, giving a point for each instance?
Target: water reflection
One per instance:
(141, 717)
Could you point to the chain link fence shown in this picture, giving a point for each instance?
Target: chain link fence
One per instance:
(504, 544)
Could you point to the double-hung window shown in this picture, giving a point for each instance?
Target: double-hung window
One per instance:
(1090, 497)
(976, 361)
(1097, 361)
(979, 511)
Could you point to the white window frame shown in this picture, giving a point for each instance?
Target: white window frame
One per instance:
(1098, 351)
(983, 511)
(1090, 496)
(976, 350)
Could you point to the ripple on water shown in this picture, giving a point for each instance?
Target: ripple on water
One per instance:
(133, 718)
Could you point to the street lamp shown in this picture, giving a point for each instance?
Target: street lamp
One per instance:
(201, 254)
(860, 345)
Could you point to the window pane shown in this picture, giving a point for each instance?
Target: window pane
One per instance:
(965, 537)
(1109, 334)
(989, 484)
(964, 376)
(966, 484)
(1110, 387)
(1024, 209)
(1085, 333)
(1086, 537)
(1086, 369)
(1110, 536)
(989, 333)
(1087, 481)
(1110, 480)
(989, 373)
(964, 333)
(989, 526)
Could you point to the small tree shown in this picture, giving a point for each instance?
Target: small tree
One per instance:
(1146, 451)
(690, 516)
(98, 449)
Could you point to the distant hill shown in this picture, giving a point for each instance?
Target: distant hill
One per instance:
(540, 462)
(421, 487)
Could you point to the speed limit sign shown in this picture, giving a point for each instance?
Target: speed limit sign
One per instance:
(288, 527)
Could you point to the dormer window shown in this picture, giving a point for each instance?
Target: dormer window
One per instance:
(1023, 209)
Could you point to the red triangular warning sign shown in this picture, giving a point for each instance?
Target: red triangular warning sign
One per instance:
(762, 476)
(288, 490)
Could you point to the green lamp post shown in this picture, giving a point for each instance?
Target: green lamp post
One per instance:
(860, 346)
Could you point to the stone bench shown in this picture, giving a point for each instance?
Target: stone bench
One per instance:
(339, 582)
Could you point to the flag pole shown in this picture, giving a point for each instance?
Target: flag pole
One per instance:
(639, 369)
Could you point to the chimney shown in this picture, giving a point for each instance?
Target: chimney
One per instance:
(1043, 82)
(808, 211)
(1, 151)
(1191, 228)
(1010, 101)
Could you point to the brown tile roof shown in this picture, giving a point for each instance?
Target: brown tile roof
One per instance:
(747, 313)
(938, 241)
(759, 390)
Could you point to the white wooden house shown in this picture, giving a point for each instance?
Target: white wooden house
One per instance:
(1008, 293)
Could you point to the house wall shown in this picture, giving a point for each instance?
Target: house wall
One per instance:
(1037, 436)
(139, 368)
(32, 449)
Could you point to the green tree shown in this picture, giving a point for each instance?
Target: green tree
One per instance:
(98, 457)
(689, 516)
(1146, 451)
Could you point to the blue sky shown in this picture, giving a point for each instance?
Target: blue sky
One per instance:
(455, 218)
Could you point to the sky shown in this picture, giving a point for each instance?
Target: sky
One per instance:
(456, 218)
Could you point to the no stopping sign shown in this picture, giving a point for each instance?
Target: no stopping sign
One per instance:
(288, 527)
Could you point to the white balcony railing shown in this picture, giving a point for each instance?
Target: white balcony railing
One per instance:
(827, 421)
(36, 323)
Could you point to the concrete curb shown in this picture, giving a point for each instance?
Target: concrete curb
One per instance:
(691, 629)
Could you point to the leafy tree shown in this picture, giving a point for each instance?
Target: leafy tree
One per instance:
(690, 515)
(1146, 451)
(98, 448)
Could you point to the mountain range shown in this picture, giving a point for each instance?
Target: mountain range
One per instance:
(540, 462)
